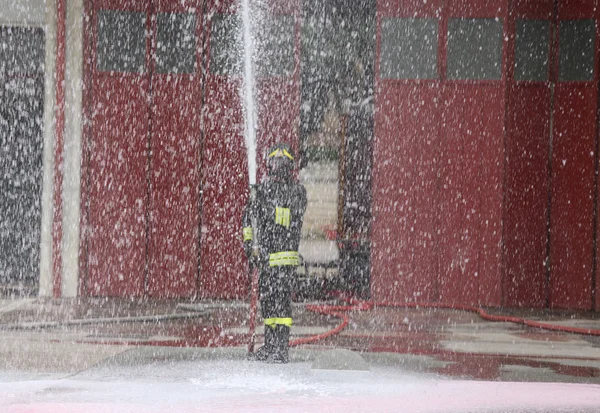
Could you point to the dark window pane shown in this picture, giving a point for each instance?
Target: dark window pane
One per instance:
(409, 48)
(21, 50)
(121, 41)
(21, 133)
(531, 52)
(474, 49)
(275, 41)
(176, 43)
(577, 50)
(224, 45)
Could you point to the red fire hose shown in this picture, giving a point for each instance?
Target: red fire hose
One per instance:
(253, 309)
(340, 311)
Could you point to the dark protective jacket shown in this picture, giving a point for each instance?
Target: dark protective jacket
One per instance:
(279, 209)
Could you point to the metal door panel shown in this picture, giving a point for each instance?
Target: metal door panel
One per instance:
(175, 142)
(118, 193)
(116, 152)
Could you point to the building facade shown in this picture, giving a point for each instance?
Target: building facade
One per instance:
(481, 160)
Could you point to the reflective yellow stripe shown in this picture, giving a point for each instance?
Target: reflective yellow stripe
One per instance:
(279, 259)
(279, 152)
(248, 234)
(284, 321)
(282, 216)
(275, 321)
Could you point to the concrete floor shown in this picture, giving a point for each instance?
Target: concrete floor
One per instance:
(57, 337)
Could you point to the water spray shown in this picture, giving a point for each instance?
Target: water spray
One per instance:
(248, 91)
(248, 95)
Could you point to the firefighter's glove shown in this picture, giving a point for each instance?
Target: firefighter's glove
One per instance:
(254, 259)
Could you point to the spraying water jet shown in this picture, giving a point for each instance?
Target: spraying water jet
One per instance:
(249, 108)
(248, 90)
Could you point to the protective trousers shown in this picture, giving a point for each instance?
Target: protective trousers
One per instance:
(276, 308)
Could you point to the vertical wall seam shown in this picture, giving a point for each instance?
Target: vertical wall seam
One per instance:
(552, 84)
(203, 69)
(71, 168)
(507, 50)
(151, 17)
(47, 196)
(594, 285)
(87, 73)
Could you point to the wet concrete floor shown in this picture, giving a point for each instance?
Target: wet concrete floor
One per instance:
(57, 336)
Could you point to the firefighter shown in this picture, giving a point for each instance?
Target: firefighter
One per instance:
(277, 211)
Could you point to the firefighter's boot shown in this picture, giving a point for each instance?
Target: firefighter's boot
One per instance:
(282, 345)
(267, 349)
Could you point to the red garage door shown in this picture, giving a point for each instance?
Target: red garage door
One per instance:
(173, 241)
(574, 146)
(529, 106)
(153, 172)
(407, 130)
(438, 154)
(471, 156)
(142, 162)
(117, 168)
(224, 178)
(551, 155)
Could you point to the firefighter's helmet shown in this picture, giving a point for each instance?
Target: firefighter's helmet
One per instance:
(280, 161)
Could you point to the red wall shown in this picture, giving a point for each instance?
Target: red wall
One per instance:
(224, 193)
(163, 189)
(141, 178)
(573, 180)
(510, 224)
(572, 202)
(438, 175)
(471, 196)
(468, 204)
(116, 175)
(526, 201)
(403, 258)
(549, 239)
(526, 205)
(407, 130)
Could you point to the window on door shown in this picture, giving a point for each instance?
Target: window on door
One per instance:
(176, 43)
(474, 49)
(225, 58)
(532, 50)
(409, 48)
(576, 50)
(21, 142)
(121, 41)
(21, 50)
